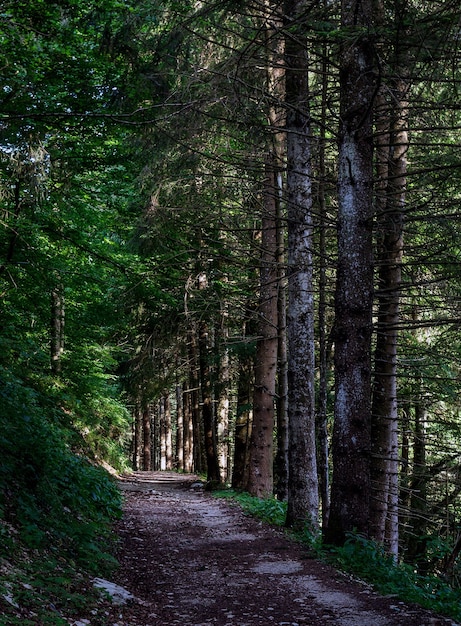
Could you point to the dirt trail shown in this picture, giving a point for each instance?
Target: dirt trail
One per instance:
(191, 560)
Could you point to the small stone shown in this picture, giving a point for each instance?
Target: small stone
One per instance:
(118, 594)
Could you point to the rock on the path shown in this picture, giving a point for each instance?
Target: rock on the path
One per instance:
(197, 485)
(118, 594)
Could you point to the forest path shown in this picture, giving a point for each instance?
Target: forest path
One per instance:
(192, 560)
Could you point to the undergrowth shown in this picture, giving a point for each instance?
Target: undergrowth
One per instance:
(56, 514)
(368, 561)
(269, 510)
(365, 559)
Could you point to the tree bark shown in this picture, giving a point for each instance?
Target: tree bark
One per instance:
(281, 457)
(156, 437)
(162, 438)
(198, 454)
(222, 410)
(147, 443)
(212, 463)
(260, 478)
(180, 453)
(350, 492)
(243, 421)
(167, 433)
(302, 511)
(275, 80)
(323, 443)
(384, 411)
(57, 328)
(137, 438)
(418, 514)
(188, 429)
(391, 150)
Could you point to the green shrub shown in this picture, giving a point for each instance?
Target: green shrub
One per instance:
(56, 510)
(368, 561)
(51, 496)
(269, 510)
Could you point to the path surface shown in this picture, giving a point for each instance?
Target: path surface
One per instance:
(192, 560)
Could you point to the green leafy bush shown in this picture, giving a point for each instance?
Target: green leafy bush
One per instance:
(269, 510)
(51, 496)
(368, 560)
(56, 510)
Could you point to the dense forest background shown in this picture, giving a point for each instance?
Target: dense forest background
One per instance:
(230, 245)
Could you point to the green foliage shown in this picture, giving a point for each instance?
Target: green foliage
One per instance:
(42, 589)
(56, 510)
(64, 228)
(46, 591)
(369, 561)
(54, 498)
(67, 225)
(269, 510)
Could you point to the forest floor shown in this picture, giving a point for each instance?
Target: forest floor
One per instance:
(190, 559)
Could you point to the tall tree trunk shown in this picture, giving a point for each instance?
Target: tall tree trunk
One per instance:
(57, 328)
(199, 458)
(380, 430)
(275, 80)
(404, 488)
(243, 422)
(222, 409)
(137, 437)
(147, 443)
(188, 430)
(391, 151)
(160, 411)
(168, 431)
(350, 492)
(212, 463)
(179, 461)
(384, 411)
(155, 425)
(222, 415)
(324, 347)
(418, 514)
(260, 477)
(281, 457)
(303, 502)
